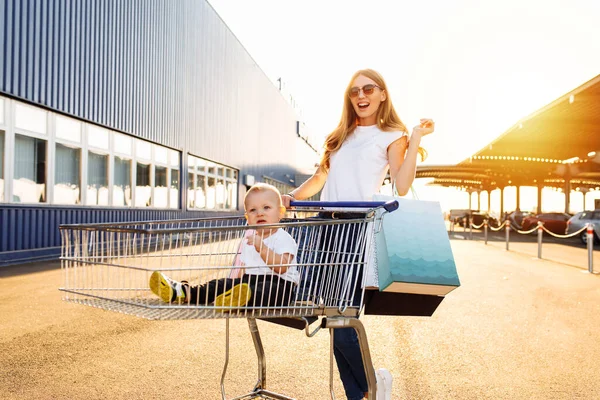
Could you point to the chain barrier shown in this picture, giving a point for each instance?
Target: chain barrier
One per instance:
(539, 228)
(557, 235)
(498, 228)
(525, 232)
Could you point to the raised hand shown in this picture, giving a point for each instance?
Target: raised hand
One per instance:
(256, 241)
(426, 127)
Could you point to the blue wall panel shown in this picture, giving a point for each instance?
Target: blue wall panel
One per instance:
(31, 233)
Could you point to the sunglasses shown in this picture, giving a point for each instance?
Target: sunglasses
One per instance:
(367, 90)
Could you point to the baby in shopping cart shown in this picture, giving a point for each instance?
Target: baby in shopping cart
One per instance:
(266, 254)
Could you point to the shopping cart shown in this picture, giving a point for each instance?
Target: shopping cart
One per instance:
(109, 266)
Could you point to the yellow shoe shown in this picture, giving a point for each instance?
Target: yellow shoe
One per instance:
(237, 296)
(166, 288)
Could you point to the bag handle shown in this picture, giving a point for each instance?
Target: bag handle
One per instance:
(413, 192)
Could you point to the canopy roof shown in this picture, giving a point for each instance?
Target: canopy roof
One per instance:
(561, 140)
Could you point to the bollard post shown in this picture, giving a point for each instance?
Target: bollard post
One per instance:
(485, 224)
(507, 233)
(465, 226)
(540, 233)
(470, 229)
(590, 246)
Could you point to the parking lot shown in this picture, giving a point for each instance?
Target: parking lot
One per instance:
(517, 328)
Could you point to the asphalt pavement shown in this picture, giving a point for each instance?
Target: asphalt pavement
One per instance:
(519, 327)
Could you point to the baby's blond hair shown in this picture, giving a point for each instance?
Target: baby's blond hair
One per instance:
(263, 187)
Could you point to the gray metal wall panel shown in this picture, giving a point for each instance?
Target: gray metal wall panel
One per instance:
(170, 72)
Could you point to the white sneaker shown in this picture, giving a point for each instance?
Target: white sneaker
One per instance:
(384, 384)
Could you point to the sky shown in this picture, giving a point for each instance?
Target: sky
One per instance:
(475, 67)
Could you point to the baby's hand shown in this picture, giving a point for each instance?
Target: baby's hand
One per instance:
(255, 241)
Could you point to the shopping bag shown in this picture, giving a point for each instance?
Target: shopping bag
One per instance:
(412, 250)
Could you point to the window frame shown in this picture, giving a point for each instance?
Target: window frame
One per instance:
(112, 148)
(206, 164)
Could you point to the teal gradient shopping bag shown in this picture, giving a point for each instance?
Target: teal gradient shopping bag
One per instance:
(412, 249)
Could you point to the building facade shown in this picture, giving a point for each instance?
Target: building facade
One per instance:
(128, 110)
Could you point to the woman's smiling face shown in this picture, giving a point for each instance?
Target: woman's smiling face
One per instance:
(366, 105)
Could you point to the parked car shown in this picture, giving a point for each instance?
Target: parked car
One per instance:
(478, 217)
(456, 215)
(579, 220)
(516, 218)
(555, 222)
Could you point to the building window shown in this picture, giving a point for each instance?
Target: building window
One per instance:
(174, 162)
(67, 175)
(122, 182)
(1, 160)
(97, 184)
(212, 186)
(29, 183)
(143, 188)
(161, 190)
(200, 183)
(83, 163)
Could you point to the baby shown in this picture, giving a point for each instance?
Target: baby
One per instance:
(268, 279)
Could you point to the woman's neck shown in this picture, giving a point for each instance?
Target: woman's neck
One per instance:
(368, 121)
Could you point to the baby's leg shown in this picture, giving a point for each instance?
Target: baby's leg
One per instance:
(207, 292)
(271, 291)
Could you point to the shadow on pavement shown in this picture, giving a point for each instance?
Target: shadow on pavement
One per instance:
(29, 268)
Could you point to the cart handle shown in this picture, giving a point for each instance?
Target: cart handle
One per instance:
(389, 206)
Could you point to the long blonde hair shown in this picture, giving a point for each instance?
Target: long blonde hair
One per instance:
(387, 119)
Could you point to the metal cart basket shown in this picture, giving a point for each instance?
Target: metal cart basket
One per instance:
(110, 266)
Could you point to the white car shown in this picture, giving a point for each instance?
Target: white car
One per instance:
(581, 219)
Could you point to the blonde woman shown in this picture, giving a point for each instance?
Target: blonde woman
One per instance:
(369, 140)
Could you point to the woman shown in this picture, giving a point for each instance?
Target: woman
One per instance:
(369, 139)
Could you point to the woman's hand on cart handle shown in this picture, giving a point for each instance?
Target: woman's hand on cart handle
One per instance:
(286, 199)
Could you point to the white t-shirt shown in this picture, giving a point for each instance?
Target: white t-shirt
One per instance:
(280, 242)
(357, 169)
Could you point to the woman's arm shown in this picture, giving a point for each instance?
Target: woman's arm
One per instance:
(402, 156)
(308, 188)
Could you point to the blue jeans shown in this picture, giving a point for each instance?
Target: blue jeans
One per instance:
(345, 341)
(349, 361)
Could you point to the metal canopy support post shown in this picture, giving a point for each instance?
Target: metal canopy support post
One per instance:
(470, 200)
(539, 198)
(502, 201)
(567, 188)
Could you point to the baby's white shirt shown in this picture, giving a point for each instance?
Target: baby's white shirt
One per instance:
(280, 242)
